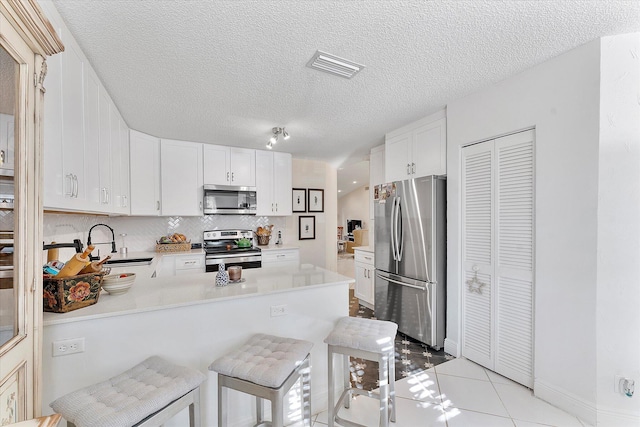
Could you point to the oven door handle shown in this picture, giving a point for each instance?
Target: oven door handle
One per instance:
(234, 258)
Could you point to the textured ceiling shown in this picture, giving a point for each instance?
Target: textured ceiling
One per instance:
(226, 72)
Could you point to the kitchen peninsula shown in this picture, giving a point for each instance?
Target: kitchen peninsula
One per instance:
(190, 321)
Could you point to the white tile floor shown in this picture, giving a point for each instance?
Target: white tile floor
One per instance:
(459, 393)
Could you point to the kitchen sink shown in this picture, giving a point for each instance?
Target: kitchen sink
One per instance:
(129, 262)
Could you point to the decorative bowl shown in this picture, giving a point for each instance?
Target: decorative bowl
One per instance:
(117, 284)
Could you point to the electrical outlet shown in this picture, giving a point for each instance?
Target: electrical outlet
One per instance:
(279, 310)
(624, 385)
(71, 346)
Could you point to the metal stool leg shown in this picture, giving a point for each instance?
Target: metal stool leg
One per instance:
(347, 381)
(222, 403)
(259, 411)
(277, 416)
(306, 393)
(383, 376)
(332, 399)
(392, 384)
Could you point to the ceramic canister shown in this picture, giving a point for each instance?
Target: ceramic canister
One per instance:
(222, 277)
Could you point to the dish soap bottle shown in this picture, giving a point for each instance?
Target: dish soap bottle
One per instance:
(279, 241)
(222, 277)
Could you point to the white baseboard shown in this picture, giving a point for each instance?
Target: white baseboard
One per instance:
(610, 417)
(451, 347)
(566, 401)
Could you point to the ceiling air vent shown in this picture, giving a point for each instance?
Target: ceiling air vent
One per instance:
(334, 65)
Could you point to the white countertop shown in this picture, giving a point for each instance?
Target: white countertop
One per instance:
(149, 294)
(363, 248)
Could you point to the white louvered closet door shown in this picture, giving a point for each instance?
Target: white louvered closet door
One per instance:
(498, 250)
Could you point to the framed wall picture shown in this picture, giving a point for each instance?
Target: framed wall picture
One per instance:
(315, 200)
(306, 227)
(299, 200)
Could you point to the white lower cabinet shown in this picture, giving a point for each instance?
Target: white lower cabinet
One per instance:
(365, 271)
(180, 264)
(280, 257)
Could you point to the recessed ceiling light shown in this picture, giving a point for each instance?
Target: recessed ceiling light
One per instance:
(335, 65)
(355, 182)
(339, 191)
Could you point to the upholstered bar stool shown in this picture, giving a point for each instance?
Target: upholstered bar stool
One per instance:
(366, 339)
(266, 367)
(146, 395)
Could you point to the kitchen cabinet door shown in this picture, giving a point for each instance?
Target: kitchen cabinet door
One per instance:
(119, 164)
(264, 183)
(364, 272)
(429, 149)
(418, 149)
(282, 184)
(243, 166)
(229, 166)
(92, 125)
(216, 165)
(144, 166)
(396, 156)
(273, 183)
(64, 169)
(104, 155)
(181, 178)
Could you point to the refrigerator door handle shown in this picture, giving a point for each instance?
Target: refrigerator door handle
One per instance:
(399, 235)
(392, 227)
(397, 282)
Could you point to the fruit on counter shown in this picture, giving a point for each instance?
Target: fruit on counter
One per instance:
(173, 238)
(264, 231)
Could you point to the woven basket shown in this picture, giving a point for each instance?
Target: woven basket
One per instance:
(173, 247)
(263, 240)
(71, 293)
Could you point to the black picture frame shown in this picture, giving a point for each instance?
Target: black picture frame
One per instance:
(299, 200)
(315, 200)
(306, 227)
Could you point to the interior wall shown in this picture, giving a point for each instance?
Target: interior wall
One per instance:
(320, 251)
(354, 205)
(618, 289)
(560, 99)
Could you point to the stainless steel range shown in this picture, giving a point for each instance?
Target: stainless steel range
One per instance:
(222, 245)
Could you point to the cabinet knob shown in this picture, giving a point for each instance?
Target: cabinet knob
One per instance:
(2, 157)
(227, 176)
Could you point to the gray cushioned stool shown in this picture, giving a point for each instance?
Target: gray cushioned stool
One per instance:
(146, 395)
(266, 367)
(367, 339)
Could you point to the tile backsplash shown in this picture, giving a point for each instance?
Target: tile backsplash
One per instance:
(142, 232)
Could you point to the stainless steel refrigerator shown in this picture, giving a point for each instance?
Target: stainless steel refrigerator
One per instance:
(410, 257)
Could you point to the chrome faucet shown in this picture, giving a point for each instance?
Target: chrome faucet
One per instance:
(113, 241)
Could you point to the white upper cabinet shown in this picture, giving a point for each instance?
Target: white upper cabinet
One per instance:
(84, 142)
(65, 186)
(181, 178)
(376, 174)
(144, 164)
(273, 183)
(418, 149)
(119, 164)
(229, 166)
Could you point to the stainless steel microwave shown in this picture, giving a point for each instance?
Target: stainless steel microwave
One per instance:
(225, 199)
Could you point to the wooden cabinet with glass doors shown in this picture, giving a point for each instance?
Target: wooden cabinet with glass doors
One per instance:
(26, 39)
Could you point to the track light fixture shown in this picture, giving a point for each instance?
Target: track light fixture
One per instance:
(274, 138)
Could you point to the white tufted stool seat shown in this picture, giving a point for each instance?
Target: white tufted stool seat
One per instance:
(266, 366)
(146, 395)
(366, 339)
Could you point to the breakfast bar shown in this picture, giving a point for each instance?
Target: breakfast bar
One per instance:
(191, 322)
